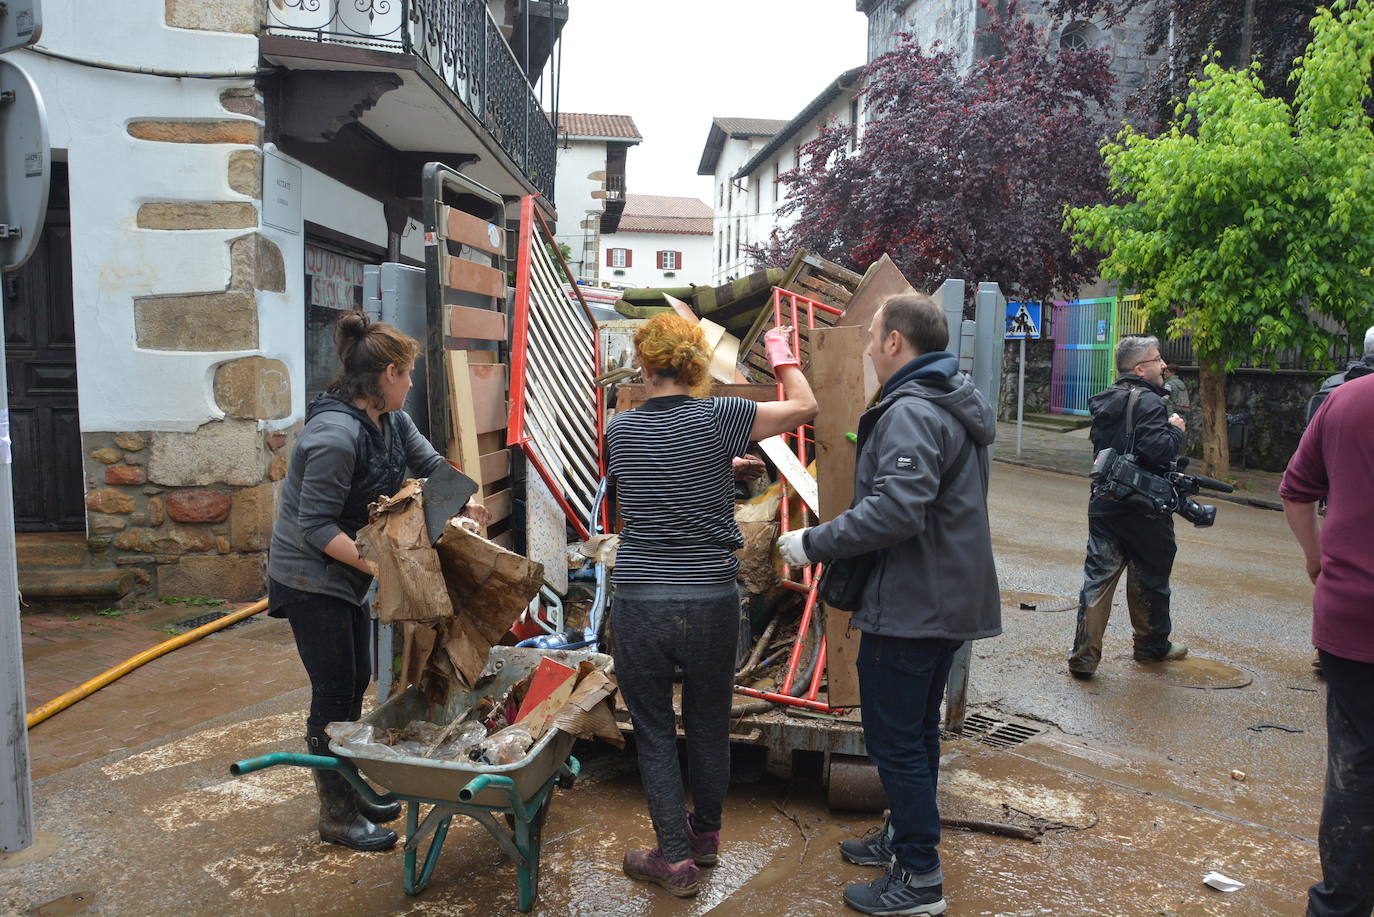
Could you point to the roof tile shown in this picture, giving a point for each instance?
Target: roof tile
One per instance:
(572, 124)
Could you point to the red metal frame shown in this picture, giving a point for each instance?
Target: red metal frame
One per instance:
(797, 306)
(515, 426)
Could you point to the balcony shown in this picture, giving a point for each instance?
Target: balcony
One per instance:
(453, 44)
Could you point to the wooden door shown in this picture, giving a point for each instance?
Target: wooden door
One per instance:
(40, 365)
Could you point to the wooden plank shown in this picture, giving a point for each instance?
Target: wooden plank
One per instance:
(506, 540)
(461, 274)
(495, 466)
(838, 383)
(491, 442)
(487, 383)
(499, 505)
(473, 230)
(482, 324)
(883, 279)
(462, 444)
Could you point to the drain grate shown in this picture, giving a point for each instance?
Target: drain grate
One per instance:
(202, 620)
(997, 733)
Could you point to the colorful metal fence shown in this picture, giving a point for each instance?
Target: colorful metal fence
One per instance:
(1086, 332)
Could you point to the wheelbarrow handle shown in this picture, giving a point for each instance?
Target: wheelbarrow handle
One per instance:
(479, 783)
(317, 762)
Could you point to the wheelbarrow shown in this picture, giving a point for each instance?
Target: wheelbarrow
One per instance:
(521, 792)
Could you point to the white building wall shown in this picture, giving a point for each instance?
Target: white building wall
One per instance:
(581, 171)
(736, 206)
(766, 195)
(121, 386)
(644, 271)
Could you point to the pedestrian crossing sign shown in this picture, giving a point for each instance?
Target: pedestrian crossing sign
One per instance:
(1023, 320)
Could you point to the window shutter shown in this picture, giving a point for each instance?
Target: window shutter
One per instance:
(678, 260)
(629, 257)
(659, 255)
(610, 253)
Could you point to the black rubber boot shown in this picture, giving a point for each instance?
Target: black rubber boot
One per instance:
(377, 814)
(340, 820)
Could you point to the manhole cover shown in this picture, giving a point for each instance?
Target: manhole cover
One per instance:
(203, 619)
(1037, 601)
(1205, 674)
(997, 732)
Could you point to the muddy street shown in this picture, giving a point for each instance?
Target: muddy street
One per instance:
(1130, 775)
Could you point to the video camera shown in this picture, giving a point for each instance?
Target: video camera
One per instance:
(1122, 478)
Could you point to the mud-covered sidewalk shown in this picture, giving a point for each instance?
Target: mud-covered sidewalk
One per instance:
(1130, 775)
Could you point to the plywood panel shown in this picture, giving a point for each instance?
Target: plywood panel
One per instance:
(463, 433)
(499, 505)
(475, 231)
(462, 274)
(487, 382)
(545, 527)
(482, 324)
(838, 382)
(495, 466)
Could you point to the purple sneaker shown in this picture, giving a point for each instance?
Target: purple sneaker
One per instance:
(704, 845)
(650, 866)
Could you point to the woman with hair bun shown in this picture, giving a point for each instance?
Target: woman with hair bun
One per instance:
(675, 597)
(356, 446)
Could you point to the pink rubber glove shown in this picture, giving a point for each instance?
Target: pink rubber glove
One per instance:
(777, 343)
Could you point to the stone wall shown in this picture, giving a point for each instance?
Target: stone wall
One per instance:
(1038, 357)
(190, 513)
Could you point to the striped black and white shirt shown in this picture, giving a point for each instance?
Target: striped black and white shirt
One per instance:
(670, 463)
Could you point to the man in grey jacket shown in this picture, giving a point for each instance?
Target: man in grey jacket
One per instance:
(920, 510)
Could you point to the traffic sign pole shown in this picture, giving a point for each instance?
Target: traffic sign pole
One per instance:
(25, 161)
(1020, 395)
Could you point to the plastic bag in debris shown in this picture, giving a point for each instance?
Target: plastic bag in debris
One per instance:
(504, 747)
(457, 745)
(359, 739)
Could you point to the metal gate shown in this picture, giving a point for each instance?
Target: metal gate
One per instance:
(1086, 333)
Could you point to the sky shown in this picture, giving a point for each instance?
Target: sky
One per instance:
(672, 66)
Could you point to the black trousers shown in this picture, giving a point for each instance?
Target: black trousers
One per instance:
(334, 640)
(1142, 546)
(1346, 837)
(695, 627)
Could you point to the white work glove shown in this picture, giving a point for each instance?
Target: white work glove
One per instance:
(793, 549)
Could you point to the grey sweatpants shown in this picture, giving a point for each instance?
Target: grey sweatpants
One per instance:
(696, 627)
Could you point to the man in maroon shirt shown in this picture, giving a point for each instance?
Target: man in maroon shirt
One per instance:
(1335, 460)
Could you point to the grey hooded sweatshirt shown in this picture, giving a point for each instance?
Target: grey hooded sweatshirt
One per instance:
(934, 575)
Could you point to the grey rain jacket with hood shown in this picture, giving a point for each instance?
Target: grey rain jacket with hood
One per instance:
(934, 575)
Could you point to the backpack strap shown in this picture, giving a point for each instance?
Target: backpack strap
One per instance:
(1131, 399)
(956, 466)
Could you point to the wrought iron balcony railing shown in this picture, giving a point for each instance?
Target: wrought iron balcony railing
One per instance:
(615, 187)
(460, 42)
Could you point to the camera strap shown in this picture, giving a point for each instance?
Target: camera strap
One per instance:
(1131, 399)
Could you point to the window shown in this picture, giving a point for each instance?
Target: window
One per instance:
(727, 243)
(669, 261)
(618, 257)
(796, 156)
(722, 194)
(853, 124)
(776, 172)
(729, 196)
(1080, 36)
(737, 235)
(720, 249)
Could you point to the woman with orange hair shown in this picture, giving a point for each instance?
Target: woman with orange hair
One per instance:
(675, 599)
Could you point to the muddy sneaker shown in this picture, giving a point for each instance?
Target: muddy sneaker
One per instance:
(1082, 674)
(1175, 652)
(893, 893)
(705, 845)
(650, 866)
(873, 849)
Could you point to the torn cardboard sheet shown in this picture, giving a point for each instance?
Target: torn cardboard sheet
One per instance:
(601, 549)
(410, 583)
(590, 712)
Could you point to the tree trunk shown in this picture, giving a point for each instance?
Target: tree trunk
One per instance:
(1216, 449)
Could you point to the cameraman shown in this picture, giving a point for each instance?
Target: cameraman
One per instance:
(1123, 536)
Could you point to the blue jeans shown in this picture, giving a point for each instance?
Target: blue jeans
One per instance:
(1346, 837)
(902, 681)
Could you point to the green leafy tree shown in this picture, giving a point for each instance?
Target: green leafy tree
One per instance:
(1249, 223)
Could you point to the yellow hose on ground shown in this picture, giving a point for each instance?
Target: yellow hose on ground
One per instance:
(85, 690)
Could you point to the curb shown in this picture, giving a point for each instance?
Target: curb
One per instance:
(1256, 502)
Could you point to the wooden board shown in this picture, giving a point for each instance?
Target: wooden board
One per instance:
(475, 231)
(479, 324)
(461, 274)
(838, 382)
(488, 387)
(883, 279)
(495, 466)
(499, 505)
(463, 432)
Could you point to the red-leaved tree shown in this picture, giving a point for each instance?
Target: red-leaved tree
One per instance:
(960, 174)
